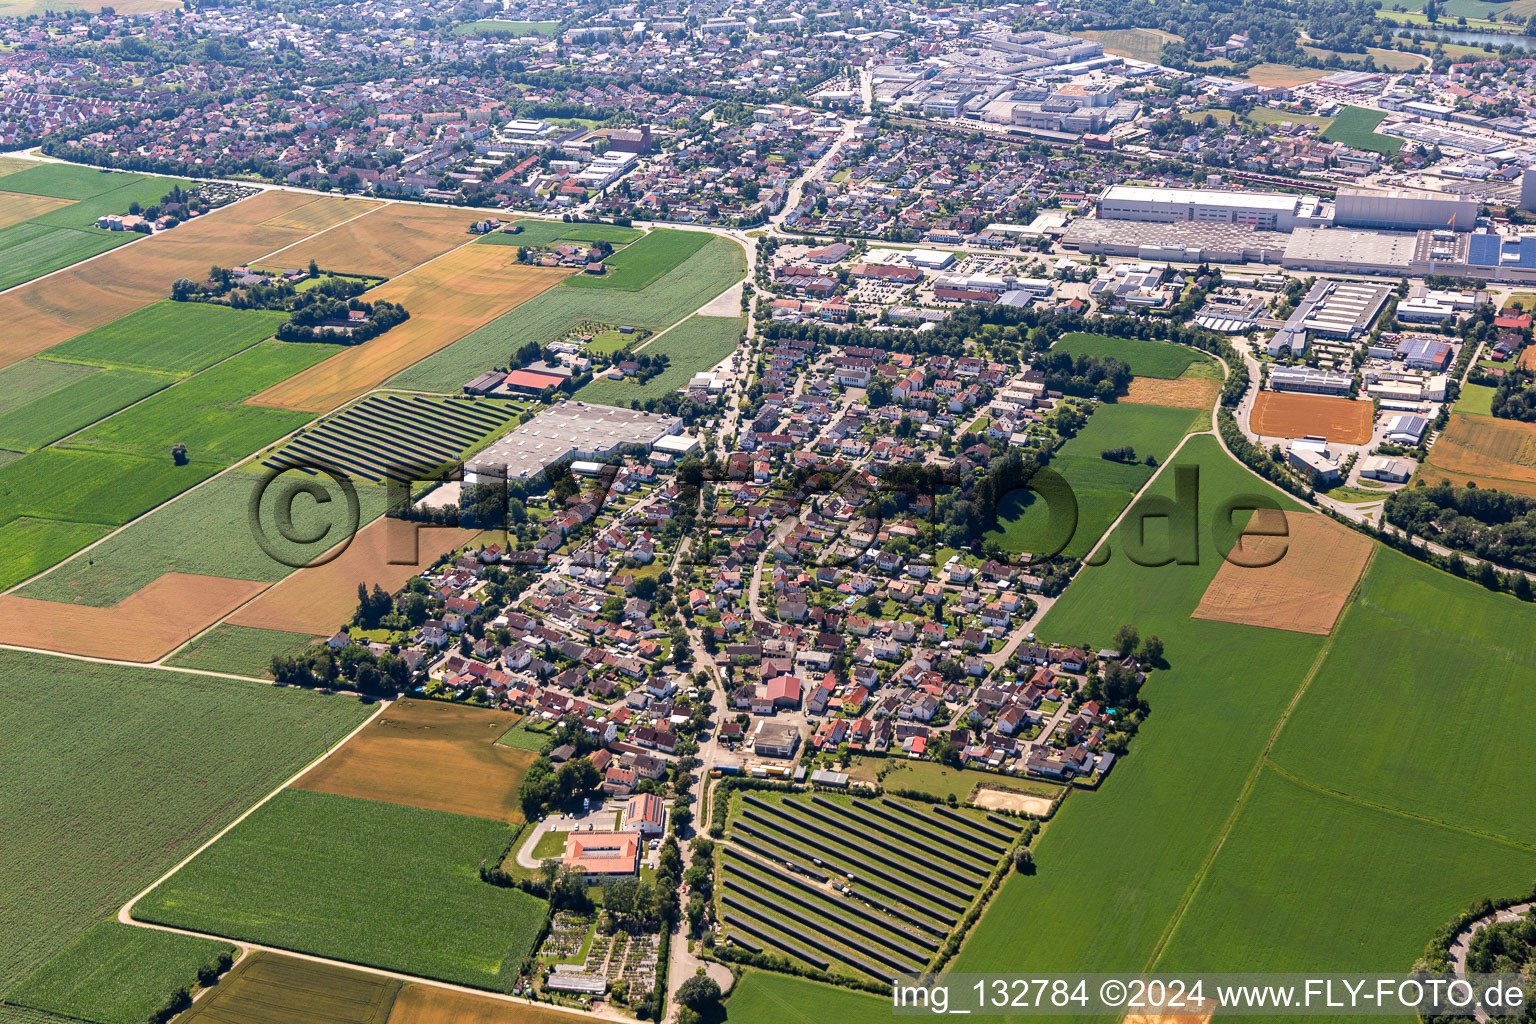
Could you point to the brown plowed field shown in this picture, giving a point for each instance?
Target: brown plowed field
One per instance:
(1282, 414)
(265, 988)
(426, 1004)
(447, 299)
(43, 313)
(1179, 393)
(321, 599)
(145, 626)
(1484, 448)
(443, 757)
(385, 243)
(1304, 591)
(16, 207)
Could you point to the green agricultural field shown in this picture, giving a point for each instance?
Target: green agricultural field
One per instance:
(1102, 488)
(29, 545)
(640, 264)
(208, 412)
(240, 650)
(1161, 359)
(118, 974)
(372, 883)
(1356, 126)
(75, 406)
(1164, 807)
(1476, 399)
(92, 487)
(695, 345)
(1429, 661)
(113, 774)
(70, 181)
(32, 249)
(1339, 886)
(206, 532)
(764, 998)
(1267, 115)
(171, 337)
(497, 27)
(547, 232)
(25, 382)
(552, 314)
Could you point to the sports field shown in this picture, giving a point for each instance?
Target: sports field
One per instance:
(267, 988)
(641, 263)
(1102, 488)
(71, 302)
(1283, 414)
(549, 317)
(447, 299)
(385, 242)
(1356, 127)
(143, 627)
(693, 346)
(408, 755)
(117, 974)
(1161, 359)
(113, 774)
(362, 881)
(1297, 576)
(1492, 452)
(321, 599)
(240, 650)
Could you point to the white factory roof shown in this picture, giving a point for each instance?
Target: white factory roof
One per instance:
(1201, 196)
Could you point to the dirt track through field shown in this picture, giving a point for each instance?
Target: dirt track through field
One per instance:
(145, 626)
(447, 299)
(1299, 581)
(320, 600)
(1283, 414)
(42, 313)
(443, 757)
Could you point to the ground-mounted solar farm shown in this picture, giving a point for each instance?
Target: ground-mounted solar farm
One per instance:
(391, 436)
(863, 888)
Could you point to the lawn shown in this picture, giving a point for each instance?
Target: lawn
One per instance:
(113, 774)
(552, 314)
(497, 27)
(1476, 399)
(372, 883)
(1102, 488)
(642, 263)
(206, 532)
(1161, 359)
(171, 337)
(764, 998)
(524, 738)
(1356, 127)
(240, 650)
(77, 405)
(117, 974)
(695, 345)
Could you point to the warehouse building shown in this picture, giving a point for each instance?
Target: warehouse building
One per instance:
(1403, 209)
(1341, 251)
(1309, 381)
(569, 430)
(1265, 211)
(1176, 242)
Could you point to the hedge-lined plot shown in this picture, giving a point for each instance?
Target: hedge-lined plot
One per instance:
(395, 436)
(874, 886)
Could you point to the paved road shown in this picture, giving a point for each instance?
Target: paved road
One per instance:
(1463, 942)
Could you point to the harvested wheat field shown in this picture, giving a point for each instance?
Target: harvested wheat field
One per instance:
(317, 217)
(1179, 393)
(265, 988)
(427, 1004)
(321, 599)
(1282, 414)
(145, 626)
(447, 299)
(1527, 360)
(385, 243)
(1485, 447)
(1299, 581)
(16, 207)
(43, 313)
(1200, 1011)
(443, 757)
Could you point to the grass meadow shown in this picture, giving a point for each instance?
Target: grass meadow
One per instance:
(1356, 126)
(547, 232)
(642, 263)
(240, 650)
(113, 774)
(764, 998)
(371, 883)
(1102, 488)
(695, 345)
(549, 316)
(117, 974)
(1161, 359)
